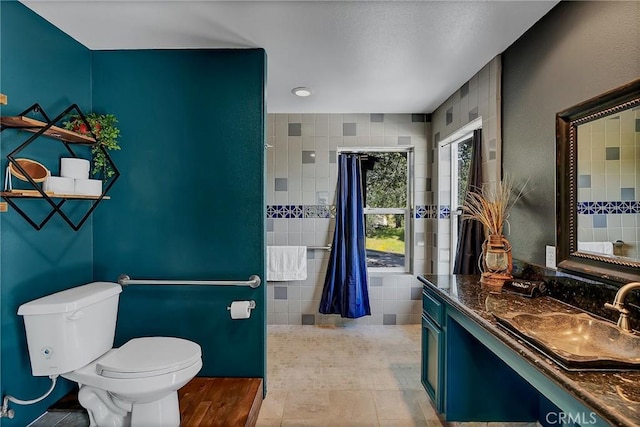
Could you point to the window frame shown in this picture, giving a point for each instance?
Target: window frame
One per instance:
(406, 211)
(451, 143)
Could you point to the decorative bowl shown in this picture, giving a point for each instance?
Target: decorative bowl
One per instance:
(37, 171)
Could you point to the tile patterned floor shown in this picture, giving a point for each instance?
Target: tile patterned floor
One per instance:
(360, 375)
(61, 419)
(332, 376)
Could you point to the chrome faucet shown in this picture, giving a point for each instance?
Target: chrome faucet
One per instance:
(618, 304)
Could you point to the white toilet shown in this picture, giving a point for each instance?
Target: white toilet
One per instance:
(70, 333)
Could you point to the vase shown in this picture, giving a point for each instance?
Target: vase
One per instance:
(496, 261)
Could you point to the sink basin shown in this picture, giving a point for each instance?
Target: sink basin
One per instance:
(576, 341)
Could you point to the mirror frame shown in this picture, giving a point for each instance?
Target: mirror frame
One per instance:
(609, 269)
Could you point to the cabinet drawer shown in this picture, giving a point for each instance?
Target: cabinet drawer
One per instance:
(432, 307)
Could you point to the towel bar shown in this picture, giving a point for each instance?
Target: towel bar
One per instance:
(254, 282)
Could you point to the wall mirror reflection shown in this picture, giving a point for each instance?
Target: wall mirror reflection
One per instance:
(609, 185)
(598, 204)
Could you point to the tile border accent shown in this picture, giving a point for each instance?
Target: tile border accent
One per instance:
(444, 212)
(609, 207)
(426, 211)
(301, 211)
(329, 211)
(284, 211)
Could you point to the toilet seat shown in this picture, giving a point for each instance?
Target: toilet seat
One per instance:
(148, 357)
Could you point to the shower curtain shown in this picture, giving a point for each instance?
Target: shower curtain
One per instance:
(345, 287)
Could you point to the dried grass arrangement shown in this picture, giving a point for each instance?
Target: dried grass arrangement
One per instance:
(492, 204)
(491, 208)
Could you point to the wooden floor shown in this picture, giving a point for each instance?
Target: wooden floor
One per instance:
(228, 402)
(204, 402)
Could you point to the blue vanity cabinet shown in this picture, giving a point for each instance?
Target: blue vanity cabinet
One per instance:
(474, 372)
(433, 345)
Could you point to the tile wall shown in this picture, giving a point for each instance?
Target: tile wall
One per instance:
(301, 182)
(479, 97)
(609, 182)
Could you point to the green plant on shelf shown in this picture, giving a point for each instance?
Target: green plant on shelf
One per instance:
(106, 133)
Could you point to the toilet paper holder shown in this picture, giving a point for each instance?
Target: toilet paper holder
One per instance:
(241, 309)
(252, 305)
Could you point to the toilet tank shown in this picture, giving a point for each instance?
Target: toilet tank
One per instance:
(71, 328)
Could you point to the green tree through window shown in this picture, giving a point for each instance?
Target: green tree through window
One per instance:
(465, 151)
(385, 176)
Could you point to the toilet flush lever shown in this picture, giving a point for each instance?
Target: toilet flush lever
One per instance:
(76, 315)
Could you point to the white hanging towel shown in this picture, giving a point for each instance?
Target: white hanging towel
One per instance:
(605, 248)
(286, 263)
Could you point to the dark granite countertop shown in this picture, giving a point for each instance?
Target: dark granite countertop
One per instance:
(615, 396)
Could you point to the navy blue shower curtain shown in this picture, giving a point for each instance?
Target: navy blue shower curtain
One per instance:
(346, 290)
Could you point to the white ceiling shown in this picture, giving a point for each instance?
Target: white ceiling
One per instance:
(357, 57)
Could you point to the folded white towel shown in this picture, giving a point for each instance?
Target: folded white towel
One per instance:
(286, 263)
(605, 248)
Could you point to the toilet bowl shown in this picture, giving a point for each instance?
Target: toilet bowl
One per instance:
(71, 334)
(142, 378)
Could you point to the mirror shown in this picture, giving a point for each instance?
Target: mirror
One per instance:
(598, 186)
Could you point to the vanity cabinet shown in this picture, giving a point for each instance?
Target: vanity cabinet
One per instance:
(433, 343)
(476, 372)
(69, 139)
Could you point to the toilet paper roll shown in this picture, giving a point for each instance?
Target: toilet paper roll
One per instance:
(240, 309)
(88, 187)
(70, 167)
(59, 184)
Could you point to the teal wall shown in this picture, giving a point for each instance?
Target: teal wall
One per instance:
(190, 203)
(41, 64)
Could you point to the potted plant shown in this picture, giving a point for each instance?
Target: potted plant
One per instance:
(490, 206)
(106, 133)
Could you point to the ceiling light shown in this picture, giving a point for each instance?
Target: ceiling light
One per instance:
(301, 91)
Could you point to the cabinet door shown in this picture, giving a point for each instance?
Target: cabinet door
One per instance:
(433, 362)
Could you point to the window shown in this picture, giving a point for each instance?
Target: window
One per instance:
(387, 199)
(461, 153)
(454, 160)
(464, 152)
(454, 165)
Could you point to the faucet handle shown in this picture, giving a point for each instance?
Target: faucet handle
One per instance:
(616, 306)
(611, 306)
